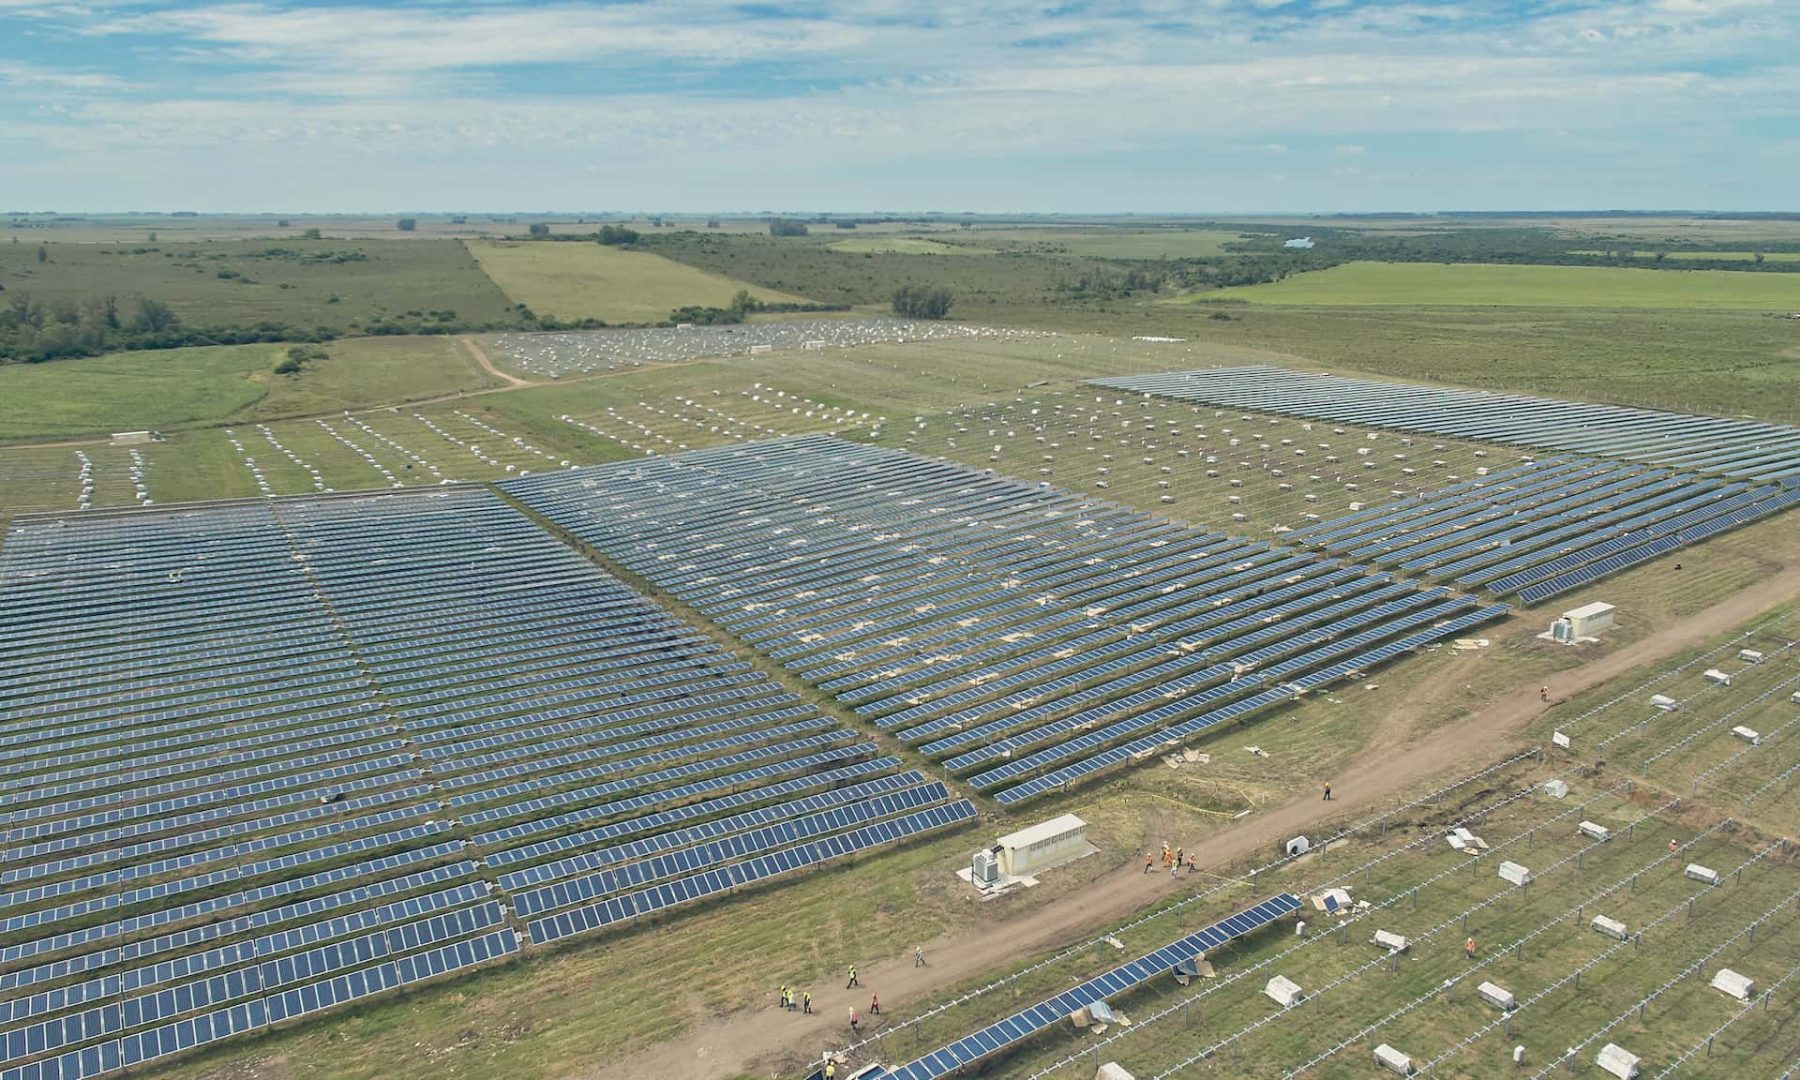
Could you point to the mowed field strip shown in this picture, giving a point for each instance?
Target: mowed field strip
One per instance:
(1478, 284)
(577, 281)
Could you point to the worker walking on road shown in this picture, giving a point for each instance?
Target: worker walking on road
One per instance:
(852, 983)
(1327, 793)
(1543, 693)
(806, 1003)
(1149, 861)
(781, 997)
(874, 1005)
(1191, 867)
(918, 957)
(853, 1025)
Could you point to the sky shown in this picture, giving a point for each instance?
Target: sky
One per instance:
(1149, 106)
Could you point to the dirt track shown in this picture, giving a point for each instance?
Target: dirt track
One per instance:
(1372, 780)
(475, 350)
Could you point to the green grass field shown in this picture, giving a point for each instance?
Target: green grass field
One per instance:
(1364, 284)
(172, 388)
(577, 281)
(304, 283)
(1112, 243)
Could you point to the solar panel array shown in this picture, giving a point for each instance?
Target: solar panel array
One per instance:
(1744, 449)
(555, 355)
(265, 759)
(1023, 635)
(1015, 1029)
(1543, 528)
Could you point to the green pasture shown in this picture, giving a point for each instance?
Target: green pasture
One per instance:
(339, 284)
(170, 388)
(573, 280)
(1361, 284)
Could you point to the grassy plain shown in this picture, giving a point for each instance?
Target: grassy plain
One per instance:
(338, 284)
(170, 388)
(575, 280)
(1361, 284)
(1169, 243)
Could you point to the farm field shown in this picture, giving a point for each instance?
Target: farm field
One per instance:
(1172, 243)
(170, 388)
(1464, 284)
(584, 280)
(303, 283)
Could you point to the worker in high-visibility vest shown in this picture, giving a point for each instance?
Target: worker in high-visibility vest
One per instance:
(1469, 948)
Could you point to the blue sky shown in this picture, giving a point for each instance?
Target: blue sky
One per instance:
(1206, 106)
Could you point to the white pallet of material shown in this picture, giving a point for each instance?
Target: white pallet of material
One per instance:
(1749, 735)
(1702, 873)
(1594, 831)
(1556, 789)
(1283, 991)
(1750, 656)
(1514, 873)
(1498, 996)
(1612, 928)
(1717, 677)
(1617, 1060)
(1112, 1070)
(1390, 1058)
(1558, 739)
(1664, 702)
(1727, 981)
(1392, 942)
(1795, 697)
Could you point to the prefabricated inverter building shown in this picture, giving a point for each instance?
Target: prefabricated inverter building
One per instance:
(1055, 841)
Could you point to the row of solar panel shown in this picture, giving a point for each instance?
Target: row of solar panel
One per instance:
(999, 710)
(955, 1057)
(1707, 444)
(631, 906)
(206, 1028)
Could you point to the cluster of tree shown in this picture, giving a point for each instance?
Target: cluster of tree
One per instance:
(1105, 282)
(32, 332)
(787, 227)
(298, 357)
(538, 228)
(617, 236)
(923, 301)
(407, 224)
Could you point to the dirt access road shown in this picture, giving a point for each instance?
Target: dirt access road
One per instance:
(749, 1037)
(474, 349)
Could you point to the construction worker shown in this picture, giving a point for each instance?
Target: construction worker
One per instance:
(1178, 853)
(874, 1005)
(1327, 793)
(1543, 693)
(1469, 948)
(918, 957)
(781, 997)
(1149, 860)
(1673, 846)
(852, 982)
(853, 1026)
(830, 1070)
(1192, 867)
(806, 1003)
